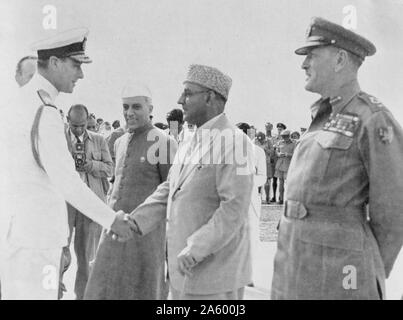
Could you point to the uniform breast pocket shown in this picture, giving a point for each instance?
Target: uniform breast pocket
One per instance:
(333, 140)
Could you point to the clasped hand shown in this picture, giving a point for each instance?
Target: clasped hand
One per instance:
(87, 167)
(186, 261)
(123, 227)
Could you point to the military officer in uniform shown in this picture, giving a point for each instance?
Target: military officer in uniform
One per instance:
(342, 226)
(39, 175)
(285, 149)
(270, 161)
(275, 142)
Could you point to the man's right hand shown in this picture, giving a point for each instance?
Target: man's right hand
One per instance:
(123, 227)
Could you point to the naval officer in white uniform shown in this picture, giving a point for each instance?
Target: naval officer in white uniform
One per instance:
(39, 175)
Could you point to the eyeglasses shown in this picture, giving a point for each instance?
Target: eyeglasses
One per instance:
(187, 93)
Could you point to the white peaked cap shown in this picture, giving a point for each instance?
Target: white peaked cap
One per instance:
(136, 90)
(70, 43)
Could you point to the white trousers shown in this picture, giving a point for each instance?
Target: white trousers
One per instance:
(29, 274)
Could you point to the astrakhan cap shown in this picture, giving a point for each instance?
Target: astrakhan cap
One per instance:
(210, 78)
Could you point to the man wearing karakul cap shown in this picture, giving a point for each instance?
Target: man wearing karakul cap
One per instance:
(135, 270)
(40, 176)
(205, 199)
(342, 227)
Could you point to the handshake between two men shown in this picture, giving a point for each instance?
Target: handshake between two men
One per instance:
(123, 229)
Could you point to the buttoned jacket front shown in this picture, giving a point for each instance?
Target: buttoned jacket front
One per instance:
(97, 153)
(206, 202)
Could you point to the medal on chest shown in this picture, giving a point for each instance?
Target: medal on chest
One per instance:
(345, 124)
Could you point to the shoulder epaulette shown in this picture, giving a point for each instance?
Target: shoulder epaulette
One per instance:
(373, 103)
(45, 98)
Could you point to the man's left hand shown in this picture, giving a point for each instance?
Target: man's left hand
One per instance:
(186, 261)
(87, 167)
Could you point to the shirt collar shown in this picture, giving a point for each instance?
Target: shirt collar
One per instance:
(315, 107)
(338, 101)
(344, 95)
(84, 136)
(209, 124)
(142, 129)
(41, 83)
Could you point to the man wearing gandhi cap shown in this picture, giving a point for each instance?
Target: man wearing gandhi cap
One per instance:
(41, 176)
(342, 227)
(206, 197)
(135, 270)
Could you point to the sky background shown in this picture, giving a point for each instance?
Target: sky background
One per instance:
(252, 41)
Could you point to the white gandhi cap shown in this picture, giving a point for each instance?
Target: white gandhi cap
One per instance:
(136, 90)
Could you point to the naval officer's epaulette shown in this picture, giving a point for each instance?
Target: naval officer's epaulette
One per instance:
(373, 103)
(45, 98)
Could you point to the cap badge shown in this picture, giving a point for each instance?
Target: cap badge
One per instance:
(309, 31)
(84, 43)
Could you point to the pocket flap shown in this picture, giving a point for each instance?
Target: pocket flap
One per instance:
(96, 155)
(334, 140)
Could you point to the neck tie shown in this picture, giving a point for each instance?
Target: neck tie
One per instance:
(323, 114)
